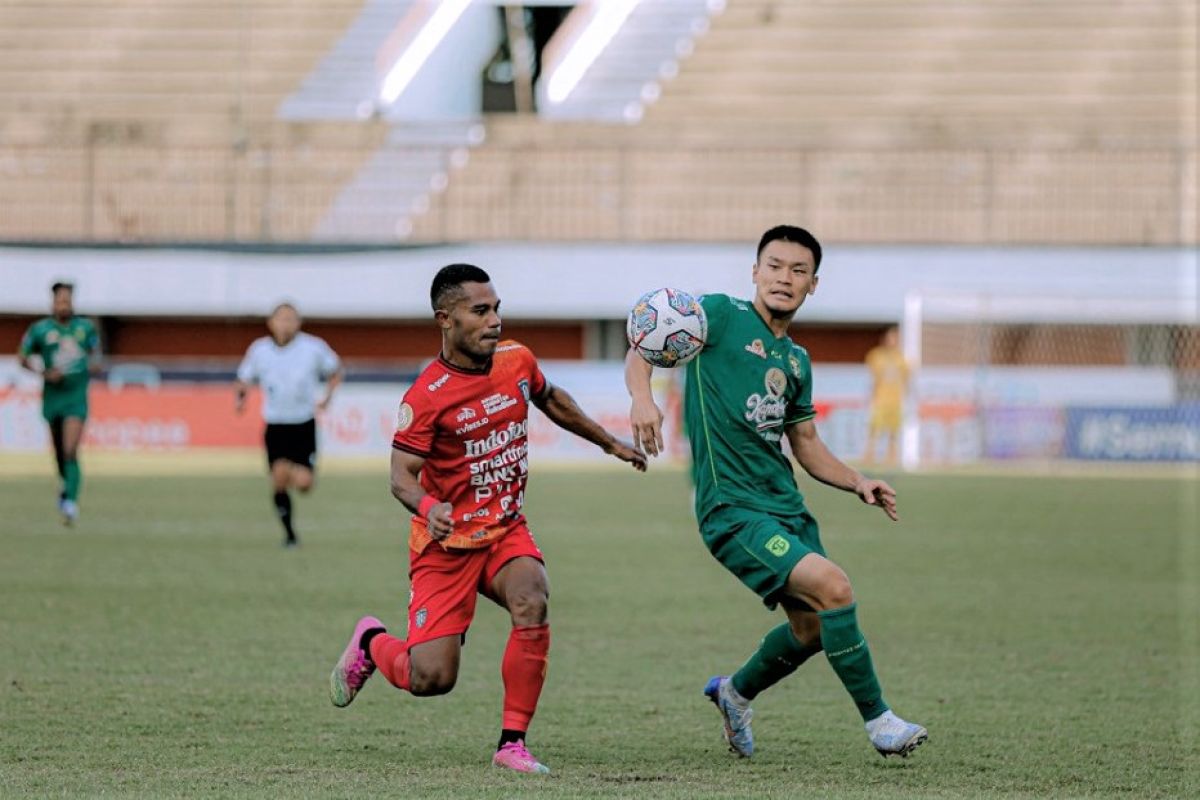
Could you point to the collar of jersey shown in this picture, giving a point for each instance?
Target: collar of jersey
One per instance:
(463, 370)
(774, 339)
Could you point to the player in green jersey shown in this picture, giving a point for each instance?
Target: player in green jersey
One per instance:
(747, 389)
(69, 350)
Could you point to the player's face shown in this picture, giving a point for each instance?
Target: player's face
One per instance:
(784, 276)
(63, 308)
(472, 325)
(891, 337)
(284, 324)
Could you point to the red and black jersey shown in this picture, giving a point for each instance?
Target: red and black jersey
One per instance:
(472, 430)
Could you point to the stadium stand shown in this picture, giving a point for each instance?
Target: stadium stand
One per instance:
(872, 120)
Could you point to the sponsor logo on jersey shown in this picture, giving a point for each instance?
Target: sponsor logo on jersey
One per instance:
(523, 385)
(501, 437)
(465, 414)
(470, 426)
(756, 347)
(420, 617)
(51, 337)
(497, 402)
(439, 383)
(404, 417)
(776, 382)
(767, 410)
(504, 348)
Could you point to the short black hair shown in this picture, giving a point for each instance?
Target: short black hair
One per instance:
(70, 287)
(790, 233)
(448, 280)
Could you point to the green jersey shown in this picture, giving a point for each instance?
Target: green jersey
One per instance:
(66, 347)
(742, 390)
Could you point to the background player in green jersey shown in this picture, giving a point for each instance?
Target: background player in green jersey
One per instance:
(748, 388)
(69, 349)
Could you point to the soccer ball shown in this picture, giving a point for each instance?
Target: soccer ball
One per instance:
(667, 327)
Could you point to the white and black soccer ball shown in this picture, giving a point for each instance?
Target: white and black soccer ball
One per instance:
(667, 327)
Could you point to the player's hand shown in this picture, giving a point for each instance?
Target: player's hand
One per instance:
(646, 418)
(323, 405)
(631, 455)
(239, 403)
(878, 493)
(53, 375)
(440, 523)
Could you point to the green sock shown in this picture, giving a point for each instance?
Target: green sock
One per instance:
(71, 479)
(778, 655)
(848, 654)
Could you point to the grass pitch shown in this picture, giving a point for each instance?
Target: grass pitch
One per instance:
(1043, 629)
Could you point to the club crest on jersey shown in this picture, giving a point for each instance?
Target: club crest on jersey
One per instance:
(51, 337)
(776, 382)
(757, 348)
(404, 417)
(523, 385)
(794, 363)
(465, 413)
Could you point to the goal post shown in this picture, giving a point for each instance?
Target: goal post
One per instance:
(1050, 378)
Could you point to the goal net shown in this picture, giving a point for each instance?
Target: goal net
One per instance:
(1052, 378)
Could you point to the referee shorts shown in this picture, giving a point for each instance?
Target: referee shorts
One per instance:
(296, 443)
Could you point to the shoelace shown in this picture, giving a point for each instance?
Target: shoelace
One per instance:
(518, 749)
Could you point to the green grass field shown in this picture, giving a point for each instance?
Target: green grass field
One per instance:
(1043, 629)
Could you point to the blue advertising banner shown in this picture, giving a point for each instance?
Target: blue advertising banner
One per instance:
(1133, 433)
(1024, 432)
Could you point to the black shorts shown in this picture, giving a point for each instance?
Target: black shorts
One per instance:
(296, 443)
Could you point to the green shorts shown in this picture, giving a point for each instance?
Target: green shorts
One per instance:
(60, 405)
(760, 548)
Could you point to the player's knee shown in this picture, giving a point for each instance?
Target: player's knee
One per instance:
(432, 682)
(529, 607)
(836, 591)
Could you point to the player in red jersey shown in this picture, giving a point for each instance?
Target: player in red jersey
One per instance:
(460, 463)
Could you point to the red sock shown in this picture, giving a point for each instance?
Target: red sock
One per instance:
(391, 657)
(524, 672)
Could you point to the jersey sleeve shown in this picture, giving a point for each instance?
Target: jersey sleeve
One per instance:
(717, 310)
(415, 422)
(800, 407)
(247, 371)
(328, 359)
(537, 381)
(30, 343)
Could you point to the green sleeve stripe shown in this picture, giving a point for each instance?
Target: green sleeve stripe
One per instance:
(799, 419)
(712, 464)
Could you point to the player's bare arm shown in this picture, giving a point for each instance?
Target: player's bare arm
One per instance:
(331, 386)
(406, 467)
(645, 417)
(240, 388)
(817, 461)
(50, 375)
(557, 404)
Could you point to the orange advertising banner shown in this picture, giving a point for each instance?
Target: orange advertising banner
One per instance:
(137, 418)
